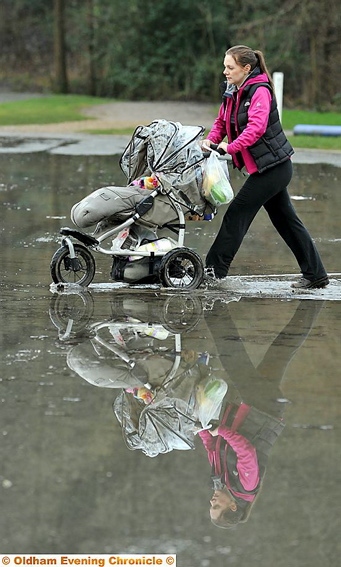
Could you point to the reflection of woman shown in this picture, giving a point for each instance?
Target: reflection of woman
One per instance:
(224, 502)
(238, 465)
(251, 418)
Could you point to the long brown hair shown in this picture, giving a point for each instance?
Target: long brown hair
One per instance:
(244, 55)
(229, 519)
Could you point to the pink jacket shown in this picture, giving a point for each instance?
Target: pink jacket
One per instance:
(258, 115)
(247, 462)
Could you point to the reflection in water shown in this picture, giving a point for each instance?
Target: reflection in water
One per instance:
(168, 391)
(250, 422)
(181, 380)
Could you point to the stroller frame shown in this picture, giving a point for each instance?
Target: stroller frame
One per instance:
(181, 267)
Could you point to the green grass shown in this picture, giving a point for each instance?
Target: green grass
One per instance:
(292, 117)
(46, 110)
(316, 142)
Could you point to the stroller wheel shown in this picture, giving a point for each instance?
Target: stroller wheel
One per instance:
(75, 307)
(181, 268)
(181, 313)
(80, 270)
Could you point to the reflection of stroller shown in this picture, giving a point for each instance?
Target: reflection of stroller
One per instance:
(163, 165)
(167, 391)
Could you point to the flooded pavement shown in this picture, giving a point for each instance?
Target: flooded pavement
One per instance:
(103, 391)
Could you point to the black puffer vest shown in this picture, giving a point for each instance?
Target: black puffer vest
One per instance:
(273, 147)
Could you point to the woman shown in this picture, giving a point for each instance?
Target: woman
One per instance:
(249, 118)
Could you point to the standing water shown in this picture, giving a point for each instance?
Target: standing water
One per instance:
(103, 390)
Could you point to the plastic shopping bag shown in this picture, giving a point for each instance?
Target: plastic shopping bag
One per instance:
(216, 187)
(209, 396)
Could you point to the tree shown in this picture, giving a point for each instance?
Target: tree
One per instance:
(91, 47)
(61, 81)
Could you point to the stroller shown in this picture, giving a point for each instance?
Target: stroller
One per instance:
(163, 164)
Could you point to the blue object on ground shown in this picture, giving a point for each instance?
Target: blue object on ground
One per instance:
(316, 130)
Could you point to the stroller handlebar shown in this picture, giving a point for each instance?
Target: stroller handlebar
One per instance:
(214, 147)
(219, 150)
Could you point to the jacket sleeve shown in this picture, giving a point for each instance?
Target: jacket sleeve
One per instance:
(258, 116)
(209, 444)
(218, 130)
(247, 462)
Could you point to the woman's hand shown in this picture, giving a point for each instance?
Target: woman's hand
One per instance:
(204, 143)
(214, 432)
(223, 146)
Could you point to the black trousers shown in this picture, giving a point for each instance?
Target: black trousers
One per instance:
(260, 385)
(268, 190)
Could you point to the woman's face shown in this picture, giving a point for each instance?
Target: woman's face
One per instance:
(221, 501)
(235, 73)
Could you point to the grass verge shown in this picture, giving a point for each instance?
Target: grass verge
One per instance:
(47, 110)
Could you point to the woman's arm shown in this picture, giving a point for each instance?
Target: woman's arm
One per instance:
(207, 439)
(247, 462)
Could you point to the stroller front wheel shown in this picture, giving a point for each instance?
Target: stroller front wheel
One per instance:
(181, 268)
(80, 270)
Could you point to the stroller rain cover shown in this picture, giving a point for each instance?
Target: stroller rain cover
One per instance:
(170, 151)
(155, 428)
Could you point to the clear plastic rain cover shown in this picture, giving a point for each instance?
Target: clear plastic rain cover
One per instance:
(171, 151)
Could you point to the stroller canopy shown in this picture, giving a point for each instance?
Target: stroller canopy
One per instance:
(161, 147)
(156, 428)
(171, 151)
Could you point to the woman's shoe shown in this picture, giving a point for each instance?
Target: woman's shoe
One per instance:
(304, 283)
(209, 274)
